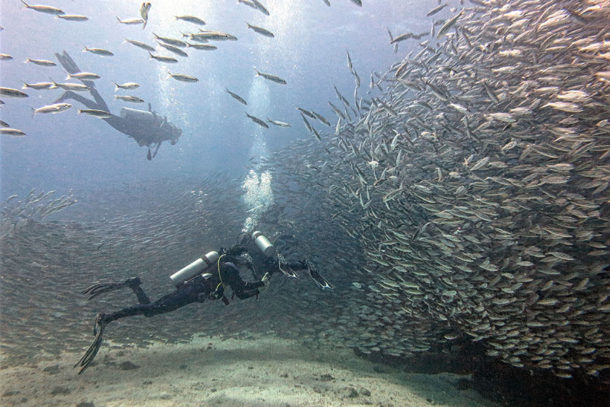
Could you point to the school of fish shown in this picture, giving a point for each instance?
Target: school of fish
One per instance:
(468, 199)
(476, 186)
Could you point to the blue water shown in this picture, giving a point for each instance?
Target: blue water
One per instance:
(68, 151)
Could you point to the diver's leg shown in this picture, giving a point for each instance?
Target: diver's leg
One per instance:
(98, 99)
(67, 62)
(70, 66)
(139, 292)
(168, 303)
(67, 95)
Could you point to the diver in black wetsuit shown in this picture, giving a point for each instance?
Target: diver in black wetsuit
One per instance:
(205, 278)
(146, 128)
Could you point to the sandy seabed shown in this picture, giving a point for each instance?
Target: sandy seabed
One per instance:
(209, 371)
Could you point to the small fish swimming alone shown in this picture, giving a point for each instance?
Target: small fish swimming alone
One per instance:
(54, 108)
(161, 58)
(102, 114)
(73, 17)
(237, 97)
(140, 44)
(5, 57)
(44, 9)
(144, 9)
(258, 121)
(41, 62)
(130, 21)
(11, 132)
(191, 19)
(270, 77)
(126, 85)
(127, 98)
(261, 30)
(16, 93)
(183, 77)
(98, 51)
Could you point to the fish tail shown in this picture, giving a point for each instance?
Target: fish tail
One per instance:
(117, 17)
(25, 4)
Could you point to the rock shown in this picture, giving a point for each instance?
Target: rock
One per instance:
(365, 392)
(60, 390)
(9, 393)
(85, 404)
(165, 396)
(350, 392)
(326, 377)
(54, 369)
(127, 365)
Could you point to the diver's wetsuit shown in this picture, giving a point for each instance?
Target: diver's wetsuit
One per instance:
(196, 289)
(207, 285)
(147, 133)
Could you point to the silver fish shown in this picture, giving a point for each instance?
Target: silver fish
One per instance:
(261, 30)
(237, 97)
(183, 77)
(53, 108)
(271, 77)
(258, 121)
(102, 114)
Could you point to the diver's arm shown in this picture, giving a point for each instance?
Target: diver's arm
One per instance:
(242, 289)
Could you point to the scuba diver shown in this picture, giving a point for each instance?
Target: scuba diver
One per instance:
(145, 127)
(206, 278)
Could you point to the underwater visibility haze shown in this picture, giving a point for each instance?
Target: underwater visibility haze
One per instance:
(432, 178)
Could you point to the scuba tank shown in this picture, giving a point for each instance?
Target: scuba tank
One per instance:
(196, 267)
(137, 116)
(263, 243)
